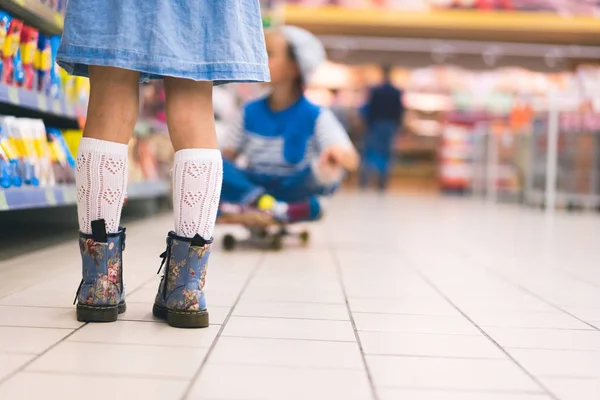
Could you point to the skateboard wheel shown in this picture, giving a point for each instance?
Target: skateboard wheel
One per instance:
(304, 237)
(276, 242)
(229, 242)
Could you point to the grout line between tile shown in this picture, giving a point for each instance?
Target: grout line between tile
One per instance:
(287, 366)
(502, 349)
(549, 349)
(338, 266)
(421, 333)
(118, 344)
(196, 375)
(461, 390)
(58, 328)
(434, 357)
(289, 338)
(109, 375)
(293, 318)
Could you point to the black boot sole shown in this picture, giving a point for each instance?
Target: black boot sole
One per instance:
(87, 313)
(182, 319)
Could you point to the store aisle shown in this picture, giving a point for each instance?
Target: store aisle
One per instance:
(414, 298)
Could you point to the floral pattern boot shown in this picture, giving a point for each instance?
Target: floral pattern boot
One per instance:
(101, 296)
(180, 299)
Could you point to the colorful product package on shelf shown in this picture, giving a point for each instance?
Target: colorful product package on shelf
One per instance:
(5, 19)
(11, 50)
(29, 45)
(43, 64)
(62, 159)
(55, 84)
(36, 134)
(11, 152)
(72, 137)
(24, 146)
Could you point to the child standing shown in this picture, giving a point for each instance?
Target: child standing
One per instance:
(191, 44)
(295, 150)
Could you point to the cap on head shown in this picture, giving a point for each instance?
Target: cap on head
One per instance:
(308, 50)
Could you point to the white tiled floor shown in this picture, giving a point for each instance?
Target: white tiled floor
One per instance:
(403, 297)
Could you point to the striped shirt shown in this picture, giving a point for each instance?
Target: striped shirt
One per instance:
(260, 137)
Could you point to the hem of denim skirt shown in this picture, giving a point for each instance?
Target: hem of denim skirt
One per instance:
(76, 59)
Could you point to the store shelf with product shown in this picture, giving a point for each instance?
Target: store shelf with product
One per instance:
(66, 195)
(41, 103)
(492, 25)
(43, 111)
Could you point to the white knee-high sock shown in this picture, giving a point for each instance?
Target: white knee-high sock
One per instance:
(197, 179)
(101, 179)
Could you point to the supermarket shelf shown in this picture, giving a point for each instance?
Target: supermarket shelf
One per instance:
(35, 13)
(40, 102)
(66, 195)
(520, 27)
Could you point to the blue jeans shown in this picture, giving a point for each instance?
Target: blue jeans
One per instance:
(378, 153)
(243, 186)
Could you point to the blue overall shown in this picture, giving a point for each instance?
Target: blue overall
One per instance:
(288, 134)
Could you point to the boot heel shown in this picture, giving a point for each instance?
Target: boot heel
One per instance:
(183, 319)
(97, 314)
(159, 312)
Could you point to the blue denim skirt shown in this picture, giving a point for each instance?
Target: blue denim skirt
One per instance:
(204, 40)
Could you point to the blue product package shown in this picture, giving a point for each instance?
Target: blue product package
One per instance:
(56, 135)
(5, 19)
(43, 64)
(18, 71)
(54, 75)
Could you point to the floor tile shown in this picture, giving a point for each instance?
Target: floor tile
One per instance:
(559, 362)
(546, 338)
(528, 320)
(30, 340)
(573, 389)
(39, 317)
(432, 373)
(426, 306)
(299, 294)
(278, 328)
(287, 353)
(76, 387)
(126, 360)
(9, 363)
(429, 345)
(292, 310)
(145, 333)
(414, 324)
(277, 383)
(397, 394)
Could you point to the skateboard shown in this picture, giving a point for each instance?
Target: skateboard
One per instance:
(265, 231)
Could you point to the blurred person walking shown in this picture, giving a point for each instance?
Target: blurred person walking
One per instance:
(192, 45)
(382, 113)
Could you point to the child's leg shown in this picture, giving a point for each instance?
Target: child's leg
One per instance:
(197, 178)
(238, 188)
(101, 179)
(198, 167)
(101, 173)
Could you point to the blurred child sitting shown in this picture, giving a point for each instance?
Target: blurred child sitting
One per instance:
(295, 151)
